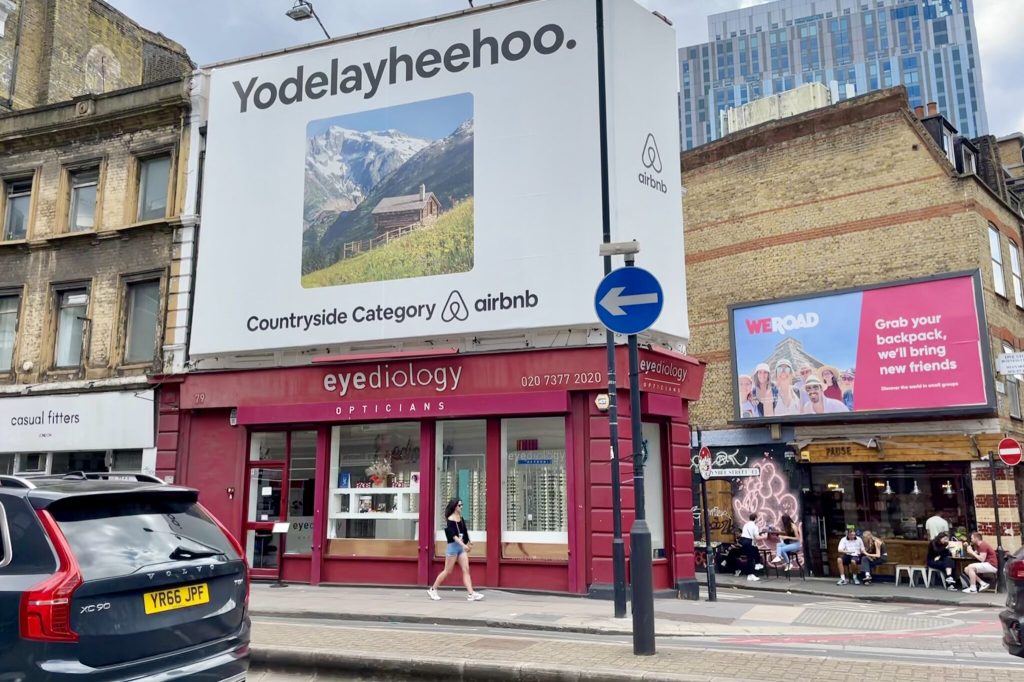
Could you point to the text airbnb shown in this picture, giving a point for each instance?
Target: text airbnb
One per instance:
(369, 76)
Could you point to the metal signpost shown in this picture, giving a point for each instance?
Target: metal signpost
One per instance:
(628, 301)
(1010, 454)
(704, 464)
(618, 548)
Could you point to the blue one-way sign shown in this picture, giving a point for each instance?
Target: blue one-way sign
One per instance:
(628, 300)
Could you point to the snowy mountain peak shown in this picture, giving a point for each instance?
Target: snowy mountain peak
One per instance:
(343, 165)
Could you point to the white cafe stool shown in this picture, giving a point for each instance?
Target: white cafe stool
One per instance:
(906, 569)
(919, 571)
(933, 573)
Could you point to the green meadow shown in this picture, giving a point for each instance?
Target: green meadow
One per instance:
(445, 248)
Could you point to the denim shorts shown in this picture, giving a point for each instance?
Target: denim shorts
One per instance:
(454, 549)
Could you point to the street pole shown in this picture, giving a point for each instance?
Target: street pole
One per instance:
(1000, 553)
(639, 534)
(618, 547)
(709, 561)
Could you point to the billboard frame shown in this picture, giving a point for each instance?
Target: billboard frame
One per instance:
(987, 377)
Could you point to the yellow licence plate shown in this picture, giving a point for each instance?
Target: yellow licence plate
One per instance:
(176, 598)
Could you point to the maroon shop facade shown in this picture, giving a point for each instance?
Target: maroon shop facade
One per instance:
(358, 455)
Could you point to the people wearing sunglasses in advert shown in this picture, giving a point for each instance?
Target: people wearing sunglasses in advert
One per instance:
(458, 550)
(787, 400)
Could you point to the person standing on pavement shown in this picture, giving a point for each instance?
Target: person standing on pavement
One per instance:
(851, 549)
(459, 547)
(935, 525)
(988, 563)
(940, 558)
(748, 538)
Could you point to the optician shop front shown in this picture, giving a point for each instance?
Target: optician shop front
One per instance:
(360, 455)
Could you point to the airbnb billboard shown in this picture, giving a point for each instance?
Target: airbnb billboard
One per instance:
(915, 346)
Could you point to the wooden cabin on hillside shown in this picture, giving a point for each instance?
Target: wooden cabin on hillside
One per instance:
(393, 213)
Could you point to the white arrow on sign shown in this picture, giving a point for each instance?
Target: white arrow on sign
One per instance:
(614, 300)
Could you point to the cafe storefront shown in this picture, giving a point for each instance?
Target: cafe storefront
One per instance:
(358, 456)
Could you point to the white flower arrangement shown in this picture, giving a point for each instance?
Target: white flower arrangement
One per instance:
(379, 470)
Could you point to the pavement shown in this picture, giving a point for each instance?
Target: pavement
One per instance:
(884, 592)
(747, 634)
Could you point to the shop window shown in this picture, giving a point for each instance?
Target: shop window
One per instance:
(84, 184)
(461, 471)
(142, 302)
(32, 462)
(126, 460)
(17, 200)
(534, 492)
(8, 330)
(301, 492)
(375, 490)
(268, 446)
(63, 462)
(154, 180)
(6, 464)
(996, 253)
(1012, 384)
(72, 305)
(1018, 289)
(654, 495)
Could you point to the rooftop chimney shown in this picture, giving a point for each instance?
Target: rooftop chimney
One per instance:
(919, 111)
(423, 192)
(933, 108)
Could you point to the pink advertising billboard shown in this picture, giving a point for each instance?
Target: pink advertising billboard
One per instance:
(915, 346)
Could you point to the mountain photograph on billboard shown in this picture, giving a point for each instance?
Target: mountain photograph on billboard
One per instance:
(389, 193)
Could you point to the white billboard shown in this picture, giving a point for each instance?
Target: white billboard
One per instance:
(440, 180)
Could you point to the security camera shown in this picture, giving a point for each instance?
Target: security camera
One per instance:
(620, 248)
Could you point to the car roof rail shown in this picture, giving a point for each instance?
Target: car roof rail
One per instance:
(18, 481)
(113, 476)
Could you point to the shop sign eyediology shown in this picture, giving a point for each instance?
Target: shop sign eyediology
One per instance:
(113, 420)
(905, 347)
(438, 180)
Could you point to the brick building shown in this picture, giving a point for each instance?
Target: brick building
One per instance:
(92, 166)
(846, 198)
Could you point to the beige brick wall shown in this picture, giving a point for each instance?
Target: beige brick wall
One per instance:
(73, 47)
(864, 203)
(119, 248)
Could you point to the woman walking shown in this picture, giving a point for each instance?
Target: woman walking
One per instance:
(458, 550)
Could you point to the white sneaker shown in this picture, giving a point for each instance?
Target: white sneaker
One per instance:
(972, 589)
(476, 596)
(983, 585)
(842, 581)
(433, 594)
(752, 578)
(758, 567)
(777, 560)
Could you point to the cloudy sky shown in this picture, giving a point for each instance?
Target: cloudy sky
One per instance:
(213, 30)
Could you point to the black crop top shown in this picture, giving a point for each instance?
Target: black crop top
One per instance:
(456, 528)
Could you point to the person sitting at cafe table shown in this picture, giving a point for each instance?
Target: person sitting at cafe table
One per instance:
(874, 555)
(940, 558)
(988, 563)
(851, 549)
(789, 542)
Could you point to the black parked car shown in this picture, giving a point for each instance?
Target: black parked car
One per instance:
(112, 580)
(1013, 617)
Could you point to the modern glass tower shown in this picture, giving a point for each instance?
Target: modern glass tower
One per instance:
(930, 46)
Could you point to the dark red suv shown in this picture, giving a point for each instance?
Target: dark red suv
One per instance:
(105, 580)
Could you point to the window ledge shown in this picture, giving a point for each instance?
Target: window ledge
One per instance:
(70, 235)
(14, 242)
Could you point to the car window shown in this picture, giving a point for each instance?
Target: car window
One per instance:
(5, 538)
(118, 537)
(27, 550)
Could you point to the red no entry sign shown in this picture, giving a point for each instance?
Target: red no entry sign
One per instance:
(1009, 452)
